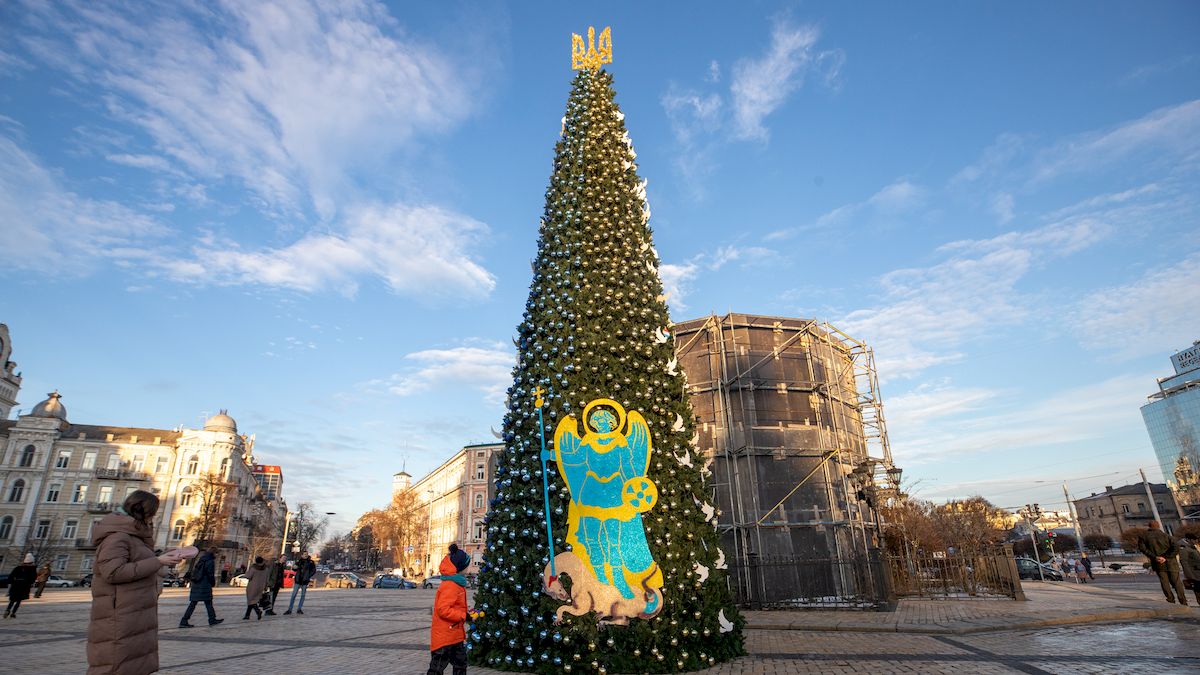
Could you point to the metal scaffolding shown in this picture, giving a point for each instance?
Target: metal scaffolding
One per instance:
(789, 414)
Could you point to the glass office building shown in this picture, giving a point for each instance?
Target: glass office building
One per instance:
(1173, 421)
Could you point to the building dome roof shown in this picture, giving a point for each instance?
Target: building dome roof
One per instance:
(221, 422)
(51, 407)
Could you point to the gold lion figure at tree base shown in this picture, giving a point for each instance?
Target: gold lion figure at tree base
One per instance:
(589, 595)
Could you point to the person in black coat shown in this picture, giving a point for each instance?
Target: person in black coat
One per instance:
(202, 579)
(306, 569)
(278, 570)
(20, 580)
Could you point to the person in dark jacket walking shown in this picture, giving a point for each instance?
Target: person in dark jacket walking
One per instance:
(1189, 560)
(20, 580)
(278, 569)
(123, 631)
(1087, 565)
(256, 584)
(1160, 548)
(306, 569)
(202, 578)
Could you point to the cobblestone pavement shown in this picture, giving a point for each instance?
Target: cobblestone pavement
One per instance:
(387, 631)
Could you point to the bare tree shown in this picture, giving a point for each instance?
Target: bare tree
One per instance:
(46, 547)
(308, 526)
(399, 529)
(208, 527)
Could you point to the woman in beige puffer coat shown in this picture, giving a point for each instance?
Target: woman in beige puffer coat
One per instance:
(123, 631)
(256, 583)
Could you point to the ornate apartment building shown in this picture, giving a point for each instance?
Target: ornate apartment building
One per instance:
(457, 495)
(59, 478)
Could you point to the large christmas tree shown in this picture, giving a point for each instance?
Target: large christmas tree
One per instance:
(637, 582)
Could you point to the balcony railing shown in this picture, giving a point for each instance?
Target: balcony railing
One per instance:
(84, 544)
(121, 474)
(99, 507)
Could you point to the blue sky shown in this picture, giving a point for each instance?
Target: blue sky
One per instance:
(320, 215)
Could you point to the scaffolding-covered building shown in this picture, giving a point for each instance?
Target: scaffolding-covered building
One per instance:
(789, 415)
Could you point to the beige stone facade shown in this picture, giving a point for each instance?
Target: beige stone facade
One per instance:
(457, 494)
(59, 478)
(1115, 510)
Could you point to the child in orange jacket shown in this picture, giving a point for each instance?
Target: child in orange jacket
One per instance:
(448, 635)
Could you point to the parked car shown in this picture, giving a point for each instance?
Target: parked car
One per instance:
(322, 569)
(85, 581)
(431, 582)
(392, 581)
(344, 580)
(169, 581)
(240, 580)
(56, 581)
(4, 580)
(1028, 569)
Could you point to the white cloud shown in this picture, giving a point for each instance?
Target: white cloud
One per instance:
(678, 279)
(51, 229)
(1173, 131)
(288, 100)
(418, 251)
(1089, 412)
(760, 86)
(1154, 314)
(702, 121)
(896, 198)
(930, 312)
(487, 368)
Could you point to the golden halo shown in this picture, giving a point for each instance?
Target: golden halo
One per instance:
(608, 403)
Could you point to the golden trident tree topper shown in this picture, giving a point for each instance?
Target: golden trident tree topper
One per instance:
(591, 57)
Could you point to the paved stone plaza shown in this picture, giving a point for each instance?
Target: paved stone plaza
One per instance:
(386, 631)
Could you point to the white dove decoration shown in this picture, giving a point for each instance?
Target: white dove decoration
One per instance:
(701, 571)
(726, 624)
(710, 511)
(661, 336)
(720, 563)
(678, 426)
(686, 460)
(671, 371)
(664, 297)
(495, 433)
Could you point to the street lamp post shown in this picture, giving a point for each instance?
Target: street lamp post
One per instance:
(429, 536)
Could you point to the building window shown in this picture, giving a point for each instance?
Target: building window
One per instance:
(1125, 508)
(80, 495)
(17, 491)
(193, 465)
(43, 529)
(160, 467)
(27, 456)
(64, 458)
(86, 565)
(139, 462)
(52, 492)
(105, 493)
(114, 462)
(6, 527)
(178, 530)
(185, 496)
(479, 500)
(224, 467)
(479, 473)
(130, 490)
(69, 529)
(1141, 506)
(89, 461)
(60, 562)
(1159, 505)
(479, 531)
